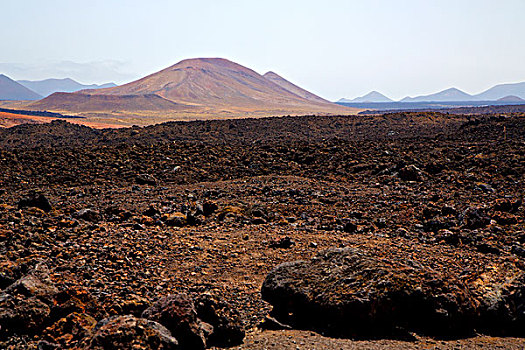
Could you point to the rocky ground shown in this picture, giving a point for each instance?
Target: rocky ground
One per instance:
(168, 233)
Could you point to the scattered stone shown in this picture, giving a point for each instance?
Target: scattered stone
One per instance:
(70, 329)
(21, 314)
(474, 218)
(87, 215)
(35, 284)
(488, 248)
(410, 173)
(485, 187)
(228, 329)
(504, 218)
(258, 221)
(35, 200)
(350, 227)
(285, 243)
(175, 219)
(177, 313)
(518, 250)
(128, 332)
(208, 208)
(145, 179)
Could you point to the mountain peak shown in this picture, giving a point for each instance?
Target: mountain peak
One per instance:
(372, 97)
(217, 82)
(12, 90)
(448, 95)
(212, 84)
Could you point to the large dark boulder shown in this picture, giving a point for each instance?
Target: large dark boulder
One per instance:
(350, 292)
(128, 332)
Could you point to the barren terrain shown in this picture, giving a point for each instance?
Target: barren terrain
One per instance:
(212, 207)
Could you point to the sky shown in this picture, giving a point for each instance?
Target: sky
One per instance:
(334, 48)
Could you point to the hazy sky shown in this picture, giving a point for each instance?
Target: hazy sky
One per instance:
(334, 48)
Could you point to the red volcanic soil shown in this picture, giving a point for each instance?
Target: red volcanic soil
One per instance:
(9, 120)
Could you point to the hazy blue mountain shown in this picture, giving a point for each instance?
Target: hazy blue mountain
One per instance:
(502, 90)
(448, 95)
(11, 90)
(373, 96)
(511, 98)
(49, 86)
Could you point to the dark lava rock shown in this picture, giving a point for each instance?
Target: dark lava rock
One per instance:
(88, 215)
(178, 314)
(70, 329)
(503, 218)
(518, 250)
(76, 300)
(35, 200)
(35, 284)
(175, 219)
(410, 173)
(146, 179)
(21, 314)
(228, 329)
(487, 248)
(350, 227)
(502, 308)
(474, 218)
(285, 242)
(208, 208)
(128, 332)
(349, 292)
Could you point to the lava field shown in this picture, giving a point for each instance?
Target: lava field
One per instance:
(392, 230)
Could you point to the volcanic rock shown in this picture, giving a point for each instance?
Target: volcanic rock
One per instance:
(21, 314)
(70, 329)
(35, 200)
(35, 284)
(88, 215)
(146, 179)
(410, 173)
(228, 329)
(349, 292)
(178, 314)
(128, 332)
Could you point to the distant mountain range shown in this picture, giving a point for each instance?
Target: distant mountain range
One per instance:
(373, 96)
(11, 90)
(502, 92)
(49, 86)
(35, 90)
(208, 86)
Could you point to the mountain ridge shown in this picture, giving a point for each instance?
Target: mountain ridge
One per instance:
(49, 86)
(12, 90)
(495, 93)
(372, 96)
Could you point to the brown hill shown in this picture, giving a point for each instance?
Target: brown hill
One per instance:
(202, 88)
(277, 79)
(212, 82)
(74, 102)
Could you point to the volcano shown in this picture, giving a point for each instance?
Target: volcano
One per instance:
(206, 85)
